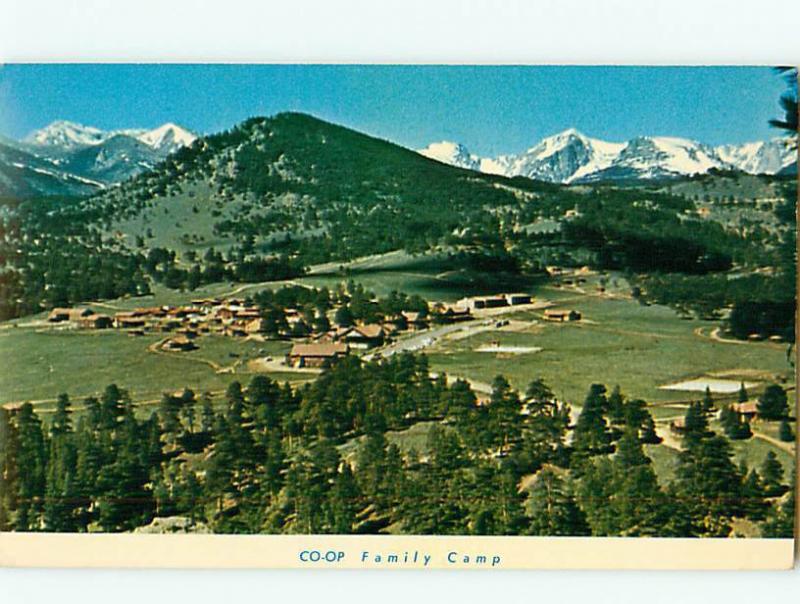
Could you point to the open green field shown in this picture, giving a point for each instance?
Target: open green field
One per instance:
(40, 364)
(430, 275)
(619, 341)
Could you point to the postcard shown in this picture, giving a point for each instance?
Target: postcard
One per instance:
(398, 316)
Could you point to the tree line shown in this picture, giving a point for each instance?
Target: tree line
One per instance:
(325, 458)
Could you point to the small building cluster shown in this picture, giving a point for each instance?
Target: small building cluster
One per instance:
(231, 317)
(494, 301)
(84, 318)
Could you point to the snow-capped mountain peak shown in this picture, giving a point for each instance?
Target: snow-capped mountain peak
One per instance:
(65, 134)
(168, 135)
(762, 157)
(451, 153)
(571, 156)
(107, 156)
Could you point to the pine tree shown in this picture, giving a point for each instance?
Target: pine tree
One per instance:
(552, 510)
(635, 413)
(31, 461)
(111, 407)
(125, 502)
(344, 502)
(189, 496)
(591, 435)
(773, 404)
(61, 491)
(786, 433)
(169, 415)
(734, 424)
(753, 495)
(504, 413)
(695, 426)
(544, 434)
(772, 475)
(621, 497)
(781, 521)
(708, 401)
(709, 485)
(370, 461)
(616, 407)
(262, 404)
(743, 396)
(206, 415)
(344, 317)
(649, 436)
(9, 468)
(446, 451)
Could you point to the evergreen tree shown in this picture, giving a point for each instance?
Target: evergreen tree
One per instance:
(111, 407)
(773, 404)
(753, 495)
(126, 502)
(785, 433)
(169, 414)
(189, 494)
(61, 491)
(621, 496)
(504, 413)
(344, 502)
(695, 426)
(206, 415)
(552, 510)
(708, 401)
(591, 435)
(31, 458)
(772, 475)
(742, 396)
(544, 432)
(9, 467)
(709, 486)
(344, 317)
(262, 399)
(649, 436)
(734, 424)
(781, 521)
(635, 414)
(616, 407)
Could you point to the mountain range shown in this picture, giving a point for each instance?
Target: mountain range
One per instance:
(572, 157)
(65, 158)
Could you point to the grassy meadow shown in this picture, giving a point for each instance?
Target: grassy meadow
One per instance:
(40, 364)
(619, 341)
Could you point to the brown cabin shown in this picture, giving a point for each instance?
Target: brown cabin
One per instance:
(365, 336)
(58, 315)
(321, 354)
(95, 321)
(561, 315)
(128, 320)
(749, 408)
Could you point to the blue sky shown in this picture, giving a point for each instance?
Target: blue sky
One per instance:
(490, 109)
